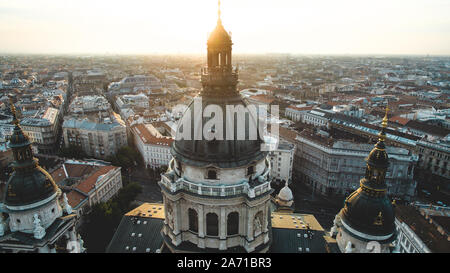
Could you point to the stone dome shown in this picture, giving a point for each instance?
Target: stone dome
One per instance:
(29, 183)
(378, 157)
(220, 153)
(219, 36)
(26, 188)
(285, 194)
(368, 215)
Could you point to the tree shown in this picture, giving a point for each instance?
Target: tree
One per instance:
(73, 151)
(125, 157)
(104, 218)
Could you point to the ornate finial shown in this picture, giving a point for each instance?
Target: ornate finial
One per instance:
(218, 12)
(385, 119)
(384, 123)
(13, 110)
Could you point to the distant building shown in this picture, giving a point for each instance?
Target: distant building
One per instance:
(420, 231)
(100, 186)
(281, 161)
(97, 138)
(335, 167)
(129, 101)
(434, 157)
(88, 104)
(317, 118)
(133, 84)
(43, 130)
(296, 113)
(153, 147)
(349, 110)
(87, 182)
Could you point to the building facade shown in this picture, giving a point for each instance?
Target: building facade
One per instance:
(98, 139)
(434, 157)
(281, 161)
(422, 229)
(43, 131)
(153, 147)
(336, 167)
(296, 113)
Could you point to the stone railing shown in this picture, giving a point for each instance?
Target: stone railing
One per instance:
(174, 183)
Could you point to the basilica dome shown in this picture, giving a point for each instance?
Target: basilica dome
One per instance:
(29, 184)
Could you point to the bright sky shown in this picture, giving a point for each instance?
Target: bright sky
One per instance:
(258, 26)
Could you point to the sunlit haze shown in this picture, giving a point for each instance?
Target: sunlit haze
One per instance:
(257, 26)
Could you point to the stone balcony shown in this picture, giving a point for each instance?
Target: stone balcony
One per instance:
(258, 186)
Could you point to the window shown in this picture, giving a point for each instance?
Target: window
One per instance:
(212, 174)
(193, 220)
(212, 224)
(250, 170)
(233, 223)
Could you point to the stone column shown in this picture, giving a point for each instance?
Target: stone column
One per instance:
(249, 225)
(176, 223)
(222, 229)
(201, 227)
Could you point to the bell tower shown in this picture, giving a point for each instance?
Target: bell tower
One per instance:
(216, 191)
(219, 78)
(366, 223)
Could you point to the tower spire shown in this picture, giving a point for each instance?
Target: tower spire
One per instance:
(219, 13)
(384, 123)
(13, 111)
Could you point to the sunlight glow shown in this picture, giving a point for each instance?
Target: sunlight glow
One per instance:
(258, 26)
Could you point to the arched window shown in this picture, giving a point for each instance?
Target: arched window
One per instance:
(233, 223)
(212, 174)
(212, 224)
(193, 220)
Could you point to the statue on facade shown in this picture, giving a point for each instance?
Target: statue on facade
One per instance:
(67, 207)
(38, 231)
(3, 225)
(257, 226)
(81, 243)
(348, 248)
(334, 229)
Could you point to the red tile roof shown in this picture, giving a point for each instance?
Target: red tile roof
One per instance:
(73, 171)
(74, 198)
(146, 137)
(262, 98)
(399, 120)
(88, 184)
(306, 108)
(58, 175)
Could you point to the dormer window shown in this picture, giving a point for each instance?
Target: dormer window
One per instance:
(211, 174)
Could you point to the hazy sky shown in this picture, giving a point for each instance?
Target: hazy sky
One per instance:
(257, 26)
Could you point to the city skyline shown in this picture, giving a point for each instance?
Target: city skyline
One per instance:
(173, 27)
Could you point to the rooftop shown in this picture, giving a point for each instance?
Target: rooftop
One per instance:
(149, 135)
(88, 184)
(422, 227)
